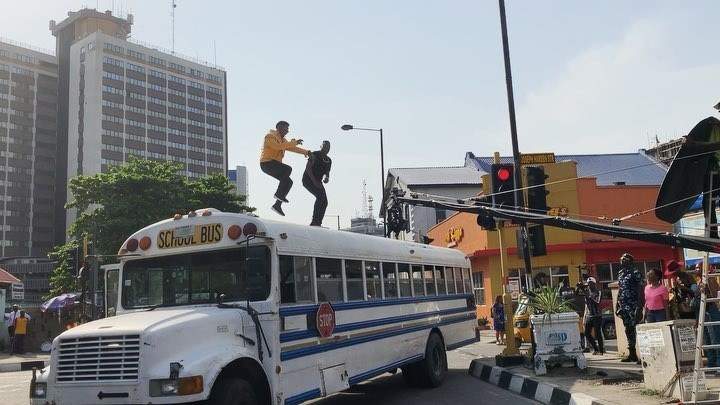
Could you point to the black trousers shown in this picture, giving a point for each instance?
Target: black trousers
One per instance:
(630, 322)
(321, 201)
(281, 172)
(594, 325)
(18, 344)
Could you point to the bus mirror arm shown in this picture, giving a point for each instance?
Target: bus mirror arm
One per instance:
(255, 316)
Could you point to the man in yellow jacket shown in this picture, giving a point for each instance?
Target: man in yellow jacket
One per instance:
(271, 157)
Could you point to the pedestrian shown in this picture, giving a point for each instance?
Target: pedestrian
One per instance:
(685, 303)
(497, 313)
(317, 172)
(656, 298)
(629, 302)
(273, 151)
(593, 317)
(21, 328)
(11, 323)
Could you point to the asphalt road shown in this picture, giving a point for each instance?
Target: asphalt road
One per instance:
(459, 388)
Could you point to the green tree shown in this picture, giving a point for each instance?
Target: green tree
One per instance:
(63, 280)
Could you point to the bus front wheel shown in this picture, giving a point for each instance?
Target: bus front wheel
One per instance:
(233, 391)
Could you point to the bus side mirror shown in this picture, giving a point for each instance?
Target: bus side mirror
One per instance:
(220, 298)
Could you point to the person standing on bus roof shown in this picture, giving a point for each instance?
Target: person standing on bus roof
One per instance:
(273, 151)
(317, 172)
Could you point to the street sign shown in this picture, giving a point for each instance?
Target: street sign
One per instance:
(325, 320)
(18, 292)
(536, 158)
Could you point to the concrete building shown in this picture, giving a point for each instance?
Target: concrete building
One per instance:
(365, 225)
(33, 273)
(239, 178)
(129, 99)
(28, 142)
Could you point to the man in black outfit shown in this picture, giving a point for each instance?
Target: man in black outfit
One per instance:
(317, 172)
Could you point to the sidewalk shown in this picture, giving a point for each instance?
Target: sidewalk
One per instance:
(606, 381)
(27, 361)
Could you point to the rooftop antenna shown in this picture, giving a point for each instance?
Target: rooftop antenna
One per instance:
(173, 25)
(370, 207)
(215, 53)
(364, 212)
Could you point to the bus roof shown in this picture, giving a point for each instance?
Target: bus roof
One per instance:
(209, 229)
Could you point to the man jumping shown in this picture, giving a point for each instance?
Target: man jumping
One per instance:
(317, 172)
(273, 151)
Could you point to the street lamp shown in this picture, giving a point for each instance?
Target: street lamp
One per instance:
(338, 220)
(348, 127)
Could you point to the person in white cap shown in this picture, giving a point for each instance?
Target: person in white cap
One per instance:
(593, 317)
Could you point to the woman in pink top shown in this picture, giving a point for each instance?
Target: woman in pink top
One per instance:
(656, 298)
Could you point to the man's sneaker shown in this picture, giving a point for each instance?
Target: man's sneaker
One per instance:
(281, 199)
(278, 209)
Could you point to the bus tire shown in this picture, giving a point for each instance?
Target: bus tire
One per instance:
(432, 370)
(233, 391)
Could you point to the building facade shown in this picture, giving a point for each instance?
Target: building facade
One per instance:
(239, 178)
(130, 100)
(570, 254)
(28, 142)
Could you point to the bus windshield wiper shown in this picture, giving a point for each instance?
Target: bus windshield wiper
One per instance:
(259, 332)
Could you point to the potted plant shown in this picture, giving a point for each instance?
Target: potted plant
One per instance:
(555, 330)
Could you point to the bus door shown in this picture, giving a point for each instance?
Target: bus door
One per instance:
(112, 277)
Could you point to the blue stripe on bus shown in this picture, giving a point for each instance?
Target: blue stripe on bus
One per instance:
(307, 351)
(302, 397)
(463, 343)
(342, 306)
(304, 334)
(356, 379)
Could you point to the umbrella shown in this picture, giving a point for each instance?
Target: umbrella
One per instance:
(59, 302)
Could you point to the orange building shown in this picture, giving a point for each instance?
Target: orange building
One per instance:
(494, 254)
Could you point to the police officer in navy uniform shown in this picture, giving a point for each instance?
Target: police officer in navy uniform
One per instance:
(630, 301)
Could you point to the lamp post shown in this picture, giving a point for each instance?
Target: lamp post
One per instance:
(338, 220)
(348, 127)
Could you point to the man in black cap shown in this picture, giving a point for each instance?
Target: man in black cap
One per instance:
(317, 172)
(630, 302)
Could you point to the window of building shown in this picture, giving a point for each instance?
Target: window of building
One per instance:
(372, 280)
(328, 273)
(354, 277)
(112, 61)
(417, 280)
(440, 215)
(156, 73)
(177, 79)
(390, 280)
(113, 48)
(135, 54)
(179, 68)
(214, 78)
(157, 61)
(404, 279)
(479, 287)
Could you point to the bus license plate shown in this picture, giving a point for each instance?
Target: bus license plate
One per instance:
(190, 235)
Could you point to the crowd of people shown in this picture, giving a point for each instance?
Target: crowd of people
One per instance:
(17, 327)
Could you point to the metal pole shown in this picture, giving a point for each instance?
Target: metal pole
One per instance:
(338, 217)
(382, 182)
(513, 135)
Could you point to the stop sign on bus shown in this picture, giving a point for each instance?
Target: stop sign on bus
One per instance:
(325, 320)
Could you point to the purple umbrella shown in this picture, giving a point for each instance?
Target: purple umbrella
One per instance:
(59, 302)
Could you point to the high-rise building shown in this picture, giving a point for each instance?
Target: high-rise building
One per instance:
(239, 178)
(28, 141)
(128, 99)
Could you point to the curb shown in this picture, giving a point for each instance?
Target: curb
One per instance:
(547, 394)
(23, 365)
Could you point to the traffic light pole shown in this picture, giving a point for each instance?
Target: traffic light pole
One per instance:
(513, 136)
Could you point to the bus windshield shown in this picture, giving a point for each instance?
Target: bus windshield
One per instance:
(197, 278)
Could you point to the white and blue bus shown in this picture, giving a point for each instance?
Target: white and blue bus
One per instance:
(236, 309)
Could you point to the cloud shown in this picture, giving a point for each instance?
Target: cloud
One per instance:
(614, 97)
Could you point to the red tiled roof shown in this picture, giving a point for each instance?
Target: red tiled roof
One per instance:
(7, 278)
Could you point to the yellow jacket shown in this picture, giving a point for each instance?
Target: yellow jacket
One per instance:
(275, 146)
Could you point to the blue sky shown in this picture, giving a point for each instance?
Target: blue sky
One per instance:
(589, 77)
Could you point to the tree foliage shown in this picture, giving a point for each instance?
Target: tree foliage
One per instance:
(62, 279)
(126, 198)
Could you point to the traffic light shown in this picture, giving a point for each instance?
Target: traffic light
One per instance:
(536, 241)
(502, 178)
(537, 194)
(486, 222)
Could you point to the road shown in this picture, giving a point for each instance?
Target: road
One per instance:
(459, 388)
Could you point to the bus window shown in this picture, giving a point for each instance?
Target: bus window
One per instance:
(458, 280)
(450, 280)
(440, 277)
(417, 279)
(389, 280)
(329, 279)
(404, 277)
(429, 280)
(296, 279)
(467, 281)
(353, 275)
(372, 280)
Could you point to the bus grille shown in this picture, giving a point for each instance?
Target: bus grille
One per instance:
(99, 358)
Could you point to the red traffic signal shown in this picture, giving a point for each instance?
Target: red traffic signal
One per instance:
(502, 184)
(503, 174)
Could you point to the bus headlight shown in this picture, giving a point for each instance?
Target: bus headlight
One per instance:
(180, 386)
(39, 390)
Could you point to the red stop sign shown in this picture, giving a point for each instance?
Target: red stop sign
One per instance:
(325, 320)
